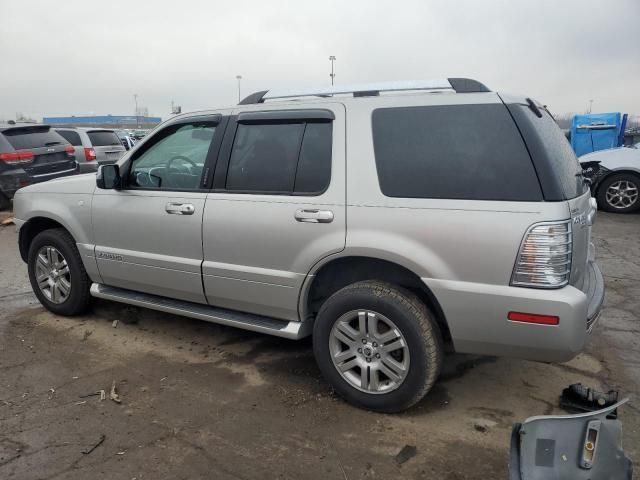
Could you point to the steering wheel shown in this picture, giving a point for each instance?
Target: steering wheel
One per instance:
(183, 158)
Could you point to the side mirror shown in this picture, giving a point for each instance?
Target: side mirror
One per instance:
(108, 177)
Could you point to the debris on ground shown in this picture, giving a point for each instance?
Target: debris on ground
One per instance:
(8, 221)
(113, 394)
(114, 324)
(483, 425)
(81, 403)
(580, 398)
(103, 395)
(90, 449)
(407, 452)
(121, 452)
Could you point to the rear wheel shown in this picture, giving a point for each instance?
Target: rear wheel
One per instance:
(56, 273)
(378, 346)
(619, 193)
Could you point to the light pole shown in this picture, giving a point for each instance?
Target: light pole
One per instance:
(590, 105)
(238, 77)
(135, 99)
(332, 59)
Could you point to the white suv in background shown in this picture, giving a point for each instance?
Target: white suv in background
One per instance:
(93, 146)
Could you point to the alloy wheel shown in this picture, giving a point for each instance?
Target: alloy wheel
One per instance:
(622, 194)
(53, 275)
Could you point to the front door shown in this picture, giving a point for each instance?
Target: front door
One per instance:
(148, 234)
(277, 207)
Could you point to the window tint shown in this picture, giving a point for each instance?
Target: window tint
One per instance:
(72, 137)
(452, 151)
(272, 158)
(264, 157)
(32, 137)
(175, 160)
(556, 162)
(103, 138)
(314, 167)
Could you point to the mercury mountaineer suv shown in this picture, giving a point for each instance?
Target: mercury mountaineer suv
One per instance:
(386, 220)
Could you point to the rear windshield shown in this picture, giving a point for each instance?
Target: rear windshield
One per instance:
(452, 151)
(103, 138)
(72, 137)
(556, 163)
(32, 137)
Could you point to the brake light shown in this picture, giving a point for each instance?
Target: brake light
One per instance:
(69, 150)
(544, 259)
(16, 158)
(533, 318)
(89, 154)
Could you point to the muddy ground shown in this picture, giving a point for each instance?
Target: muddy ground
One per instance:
(204, 401)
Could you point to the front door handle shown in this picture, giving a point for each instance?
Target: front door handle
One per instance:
(179, 208)
(313, 216)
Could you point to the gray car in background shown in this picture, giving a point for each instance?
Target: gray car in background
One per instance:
(93, 146)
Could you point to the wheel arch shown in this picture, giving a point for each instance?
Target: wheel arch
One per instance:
(337, 272)
(33, 227)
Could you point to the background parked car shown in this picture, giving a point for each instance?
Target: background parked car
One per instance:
(31, 153)
(93, 146)
(127, 140)
(615, 178)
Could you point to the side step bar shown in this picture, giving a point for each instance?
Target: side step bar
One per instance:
(232, 318)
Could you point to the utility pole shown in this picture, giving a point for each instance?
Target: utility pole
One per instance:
(332, 59)
(238, 77)
(590, 105)
(135, 99)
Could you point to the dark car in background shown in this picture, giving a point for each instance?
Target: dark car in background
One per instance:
(29, 154)
(93, 146)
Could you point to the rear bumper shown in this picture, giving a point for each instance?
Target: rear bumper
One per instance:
(12, 180)
(477, 317)
(88, 167)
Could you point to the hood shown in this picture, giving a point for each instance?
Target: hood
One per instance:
(85, 183)
(615, 159)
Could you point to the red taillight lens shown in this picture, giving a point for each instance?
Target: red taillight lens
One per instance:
(13, 158)
(89, 154)
(533, 318)
(70, 150)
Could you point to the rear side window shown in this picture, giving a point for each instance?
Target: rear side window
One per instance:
(70, 136)
(471, 152)
(103, 138)
(38, 137)
(556, 163)
(281, 158)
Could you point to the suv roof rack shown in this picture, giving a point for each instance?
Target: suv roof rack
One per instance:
(458, 85)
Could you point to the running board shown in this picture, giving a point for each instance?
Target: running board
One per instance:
(232, 318)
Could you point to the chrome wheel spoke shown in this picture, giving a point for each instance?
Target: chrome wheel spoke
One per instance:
(64, 287)
(52, 274)
(369, 351)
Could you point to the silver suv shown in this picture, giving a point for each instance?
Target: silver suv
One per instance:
(386, 220)
(93, 146)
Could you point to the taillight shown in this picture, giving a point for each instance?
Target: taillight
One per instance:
(544, 259)
(89, 154)
(70, 150)
(15, 158)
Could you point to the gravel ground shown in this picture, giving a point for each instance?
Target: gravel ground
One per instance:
(205, 401)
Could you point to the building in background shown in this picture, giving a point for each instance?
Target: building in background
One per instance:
(107, 121)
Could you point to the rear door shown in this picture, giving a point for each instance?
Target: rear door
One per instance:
(107, 145)
(47, 151)
(276, 209)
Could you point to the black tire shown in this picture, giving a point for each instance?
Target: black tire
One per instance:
(5, 204)
(79, 297)
(612, 179)
(414, 321)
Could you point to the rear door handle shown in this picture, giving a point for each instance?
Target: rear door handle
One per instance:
(180, 208)
(313, 216)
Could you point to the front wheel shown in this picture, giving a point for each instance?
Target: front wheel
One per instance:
(56, 273)
(378, 346)
(618, 193)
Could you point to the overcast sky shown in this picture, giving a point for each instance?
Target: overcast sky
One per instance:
(89, 57)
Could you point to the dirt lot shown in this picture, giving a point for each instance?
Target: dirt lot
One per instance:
(204, 401)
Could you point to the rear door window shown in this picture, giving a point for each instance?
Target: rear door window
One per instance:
(72, 137)
(33, 137)
(471, 152)
(284, 158)
(103, 138)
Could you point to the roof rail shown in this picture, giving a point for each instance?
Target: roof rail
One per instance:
(458, 85)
